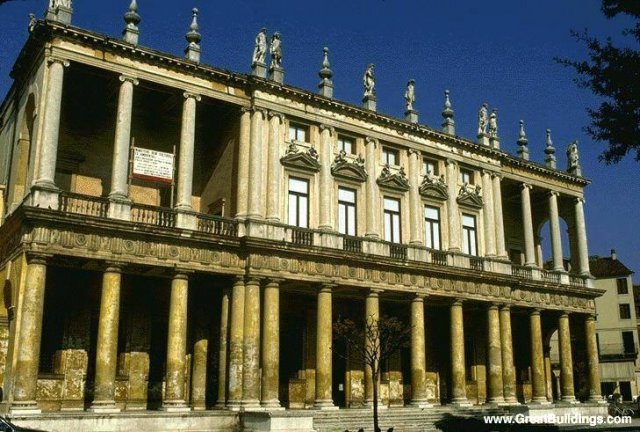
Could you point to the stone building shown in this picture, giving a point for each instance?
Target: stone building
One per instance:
(212, 283)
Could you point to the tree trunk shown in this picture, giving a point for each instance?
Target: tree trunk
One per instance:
(375, 402)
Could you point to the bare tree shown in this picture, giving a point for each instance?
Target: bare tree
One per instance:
(373, 342)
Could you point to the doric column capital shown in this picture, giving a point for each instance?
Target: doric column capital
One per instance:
(419, 297)
(526, 186)
(36, 257)
(457, 301)
(535, 311)
(374, 292)
(112, 266)
(182, 274)
(591, 317)
(326, 127)
(326, 287)
(273, 281)
(191, 95)
(505, 307)
(252, 280)
(277, 115)
(55, 59)
(493, 305)
(370, 140)
(128, 78)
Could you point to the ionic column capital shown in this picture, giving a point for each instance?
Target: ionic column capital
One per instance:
(553, 193)
(245, 110)
(497, 175)
(326, 127)
(277, 115)
(190, 95)
(416, 153)
(451, 162)
(128, 78)
(255, 109)
(55, 59)
(579, 200)
(371, 140)
(524, 186)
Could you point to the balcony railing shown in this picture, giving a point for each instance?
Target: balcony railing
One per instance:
(476, 263)
(217, 225)
(550, 276)
(577, 280)
(152, 215)
(83, 204)
(522, 272)
(439, 257)
(352, 244)
(302, 236)
(397, 251)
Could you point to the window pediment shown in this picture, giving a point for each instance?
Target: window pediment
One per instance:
(344, 168)
(434, 187)
(306, 159)
(470, 196)
(393, 180)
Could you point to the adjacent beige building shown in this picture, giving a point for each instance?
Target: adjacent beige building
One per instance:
(217, 290)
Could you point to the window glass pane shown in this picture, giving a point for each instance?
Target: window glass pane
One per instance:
(436, 236)
(391, 204)
(468, 221)
(428, 229)
(465, 240)
(345, 144)
(429, 167)
(303, 209)
(347, 195)
(472, 242)
(298, 185)
(293, 210)
(351, 220)
(342, 219)
(466, 176)
(387, 227)
(431, 213)
(396, 228)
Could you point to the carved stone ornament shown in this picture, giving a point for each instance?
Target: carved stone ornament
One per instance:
(434, 187)
(295, 158)
(397, 181)
(349, 169)
(470, 196)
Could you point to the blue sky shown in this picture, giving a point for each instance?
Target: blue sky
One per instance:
(499, 52)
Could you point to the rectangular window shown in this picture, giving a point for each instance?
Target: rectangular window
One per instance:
(392, 220)
(347, 211)
(623, 288)
(432, 227)
(298, 202)
(345, 144)
(390, 156)
(469, 237)
(625, 311)
(628, 343)
(429, 167)
(466, 176)
(297, 132)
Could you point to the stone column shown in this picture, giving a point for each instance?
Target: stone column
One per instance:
(508, 369)
(119, 208)
(488, 214)
(566, 362)
(495, 393)
(595, 394)
(538, 384)
(418, 356)
(185, 160)
(372, 315)
(222, 353)
(29, 337)
(324, 332)
(236, 339)
(581, 231)
(271, 345)
(199, 374)
(242, 187)
(251, 345)
(458, 373)
(452, 206)
(326, 181)
(501, 249)
(373, 201)
(554, 225)
(527, 227)
(174, 397)
(415, 202)
(274, 173)
(45, 194)
(256, 198)
(107, 342)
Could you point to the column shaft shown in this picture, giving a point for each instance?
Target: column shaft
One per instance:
(458, 373)
(452, 206)
(222, 353)
(501, 250)
(255, 165)
(418, 356)
(251, 345)
(494, 356)
(107, 342)
(488, 213)
(508, 369)
(274, 174)
(185, 161)
(554, 227)
(527, 227)
(326, 180)
(29, 337)
(236, 339)
(373, 202)
(121, 144)
(581, 230)
(174, 397)
(372, 316)
(199, 374)
(595, 394)
(324, 332)
(271, 345)
(566, 361)
(538, 384)
(51, 126)
(242, 187)
(415, 202)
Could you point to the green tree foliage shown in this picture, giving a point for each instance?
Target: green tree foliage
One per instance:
(613, 73)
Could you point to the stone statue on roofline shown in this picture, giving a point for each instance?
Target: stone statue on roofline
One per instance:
(483, 117)
(276, 51)
(260, 50)
(56, 3)
(493, 124)
(410, 95)
(573, 159)
(369, 81)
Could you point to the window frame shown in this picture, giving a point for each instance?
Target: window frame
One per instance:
(348, 205)
(624, 284)
(298, 196)
(627, 308)
(394, 216)
(464, 172)
(425, 165)
(298, 127)
(466, 240)
(386, 152)
(428, 227)
(340, 144)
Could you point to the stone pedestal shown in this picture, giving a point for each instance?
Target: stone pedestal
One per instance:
(119, 208)
(369, 102)
(483, 139)
(45, 195)
(259, 70)
(411, 116)
(186, 220)
(276, 73)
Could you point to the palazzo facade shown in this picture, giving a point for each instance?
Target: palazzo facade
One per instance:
(290, 209)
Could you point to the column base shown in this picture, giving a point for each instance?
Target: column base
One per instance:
(324, 404)
(104, 407)
(272, 406)
(45, 195)
(461, 403)
(119, 208)
(496, 401)
(186, 219)
(24, 408)
(175, 406)
(569, 400)
(540, 401)
(420, 404)
(251, 405)
(597, 401)
(233, 406)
